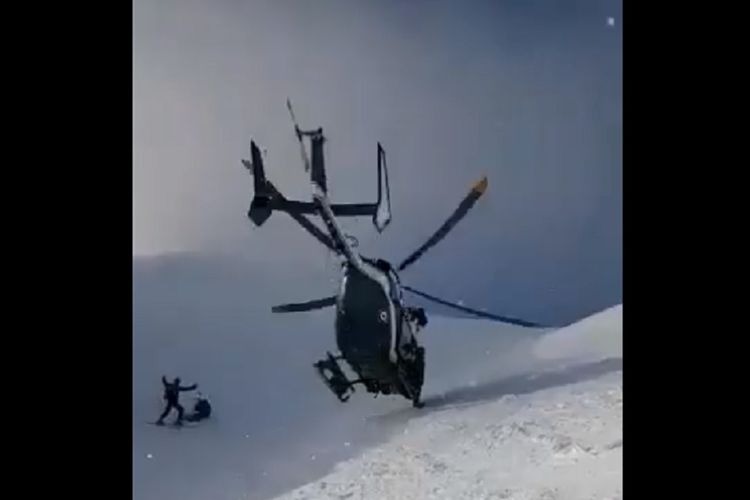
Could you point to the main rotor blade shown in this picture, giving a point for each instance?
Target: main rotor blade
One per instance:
(482, 314)
(305, 306)
(463, 208)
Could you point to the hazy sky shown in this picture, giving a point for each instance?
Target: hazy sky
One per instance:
(528, 92)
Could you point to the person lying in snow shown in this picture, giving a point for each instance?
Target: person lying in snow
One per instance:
(201, 410)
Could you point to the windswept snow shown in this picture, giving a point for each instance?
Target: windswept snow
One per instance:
(511, 412)
(597, 336)
(555, 434)
(557, 443)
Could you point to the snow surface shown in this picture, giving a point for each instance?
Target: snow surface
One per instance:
(558, 443)
(506, 416)
(591, 338)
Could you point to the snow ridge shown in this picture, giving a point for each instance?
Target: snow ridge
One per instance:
(559, 439)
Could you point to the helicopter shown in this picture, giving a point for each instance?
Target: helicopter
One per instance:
(376, 331)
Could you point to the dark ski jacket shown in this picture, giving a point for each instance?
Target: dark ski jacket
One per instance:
(172, 391)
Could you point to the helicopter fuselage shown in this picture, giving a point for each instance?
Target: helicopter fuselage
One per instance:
(373, 331)
(368, 322)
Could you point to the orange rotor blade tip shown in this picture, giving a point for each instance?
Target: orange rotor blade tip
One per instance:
(481, 186)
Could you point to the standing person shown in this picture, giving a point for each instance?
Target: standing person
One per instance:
(172, 396)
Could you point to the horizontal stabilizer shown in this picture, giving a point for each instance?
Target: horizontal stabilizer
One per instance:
(309, 208)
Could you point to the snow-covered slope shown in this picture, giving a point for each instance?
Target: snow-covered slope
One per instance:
(591, 338)
(556, 434)
(558, 443)
(276, 427)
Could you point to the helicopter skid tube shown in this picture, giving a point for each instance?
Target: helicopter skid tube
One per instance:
(334, 378)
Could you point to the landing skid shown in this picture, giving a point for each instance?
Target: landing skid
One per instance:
(409, 384)
(334, 378)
